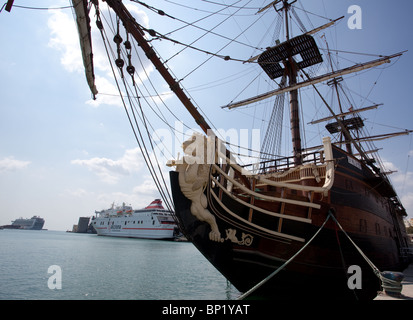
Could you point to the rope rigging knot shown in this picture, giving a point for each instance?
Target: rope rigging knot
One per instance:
(130, 68)
(119, 63)
(127, 45)
(117, 39)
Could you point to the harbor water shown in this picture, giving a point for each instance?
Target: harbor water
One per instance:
(57, 265)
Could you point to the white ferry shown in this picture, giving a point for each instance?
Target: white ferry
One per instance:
(152, 222)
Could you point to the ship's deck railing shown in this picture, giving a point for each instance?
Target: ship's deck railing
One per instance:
(268, 178)
(230, 177)
(282, 164)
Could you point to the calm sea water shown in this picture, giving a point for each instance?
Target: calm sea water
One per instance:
(94, 267)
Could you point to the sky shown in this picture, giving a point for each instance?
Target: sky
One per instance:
(64, 155)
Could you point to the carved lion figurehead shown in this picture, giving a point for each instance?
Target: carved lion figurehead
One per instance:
(200, 147)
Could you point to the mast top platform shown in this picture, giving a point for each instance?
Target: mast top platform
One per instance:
(354, 123)
(303, 45)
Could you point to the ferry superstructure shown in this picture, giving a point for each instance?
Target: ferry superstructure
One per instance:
(152, 222)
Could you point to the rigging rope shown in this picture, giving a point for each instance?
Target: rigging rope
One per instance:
(273, 135)
(226, 57)
(193, 24)
(156, 35)
(202, 10)
(387, 284)
(138, 136)
(257, 286)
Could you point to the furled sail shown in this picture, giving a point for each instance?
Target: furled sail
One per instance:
(83, 27)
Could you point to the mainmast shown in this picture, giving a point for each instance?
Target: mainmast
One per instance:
(279, 61)
(291, 72)
(294, 112)
(296, 54)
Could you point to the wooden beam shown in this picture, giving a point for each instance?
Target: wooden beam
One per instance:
(9, 5)
(268, 6)
(345, 113)
(312, 81)
(324, 26)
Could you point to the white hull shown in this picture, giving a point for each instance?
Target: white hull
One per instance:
(149, 223)
(136, 232)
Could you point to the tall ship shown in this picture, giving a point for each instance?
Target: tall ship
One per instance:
(152, 222)
(33, 223)
(271, 221)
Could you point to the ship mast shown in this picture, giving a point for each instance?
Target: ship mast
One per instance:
(277, 61)
(291, 72)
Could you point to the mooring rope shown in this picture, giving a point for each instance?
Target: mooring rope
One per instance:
(387, 284)
(246, 294)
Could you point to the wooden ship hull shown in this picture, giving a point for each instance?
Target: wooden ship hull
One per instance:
(254, 243)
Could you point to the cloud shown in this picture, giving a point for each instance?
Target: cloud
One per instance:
(64, 38)
(407, 201)
(138, 197)
(109, 93)
(402, 181)
(76, 193)
(138, 14)
(147, 187)
(10, 164)
(138, 201)
(389, 166)
(111, 171)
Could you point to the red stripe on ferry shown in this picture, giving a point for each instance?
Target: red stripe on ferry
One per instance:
(156, 204)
